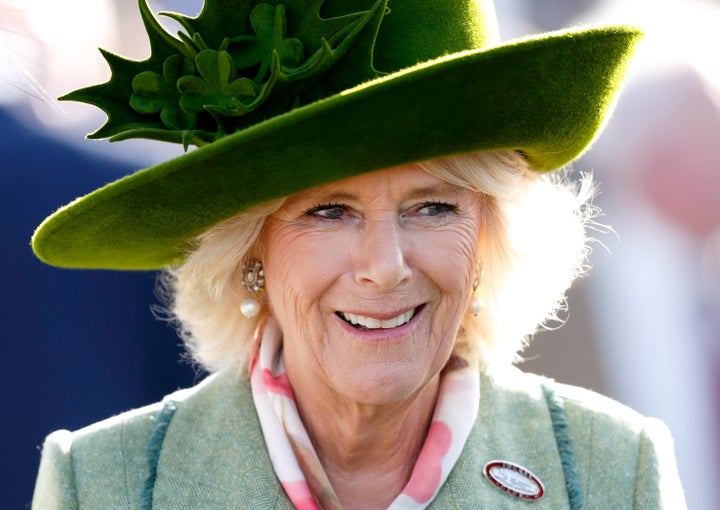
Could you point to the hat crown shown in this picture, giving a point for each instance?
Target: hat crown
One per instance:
(241, 62)
(415, 31)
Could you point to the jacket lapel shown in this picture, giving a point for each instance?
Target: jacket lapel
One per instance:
(214, 455)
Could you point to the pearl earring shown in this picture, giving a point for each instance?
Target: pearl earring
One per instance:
(476, 305)
(254, 280)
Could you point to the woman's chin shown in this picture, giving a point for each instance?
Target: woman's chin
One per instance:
(383, 368)
(382, 386)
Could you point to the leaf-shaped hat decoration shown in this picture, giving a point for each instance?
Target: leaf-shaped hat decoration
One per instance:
(230, 68)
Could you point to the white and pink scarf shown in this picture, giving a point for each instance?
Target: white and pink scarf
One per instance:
(293, 456)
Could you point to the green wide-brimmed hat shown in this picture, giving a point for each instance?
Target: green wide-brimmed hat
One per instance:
(280, 96)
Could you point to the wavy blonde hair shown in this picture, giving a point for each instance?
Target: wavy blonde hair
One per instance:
(533, 245)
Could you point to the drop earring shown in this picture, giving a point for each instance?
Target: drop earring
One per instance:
(475, 306)
(253, 279)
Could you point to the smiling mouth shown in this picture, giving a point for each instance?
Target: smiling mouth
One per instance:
(370, 323)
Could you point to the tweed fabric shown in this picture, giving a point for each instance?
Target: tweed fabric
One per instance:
(214, 456)
(639, 463)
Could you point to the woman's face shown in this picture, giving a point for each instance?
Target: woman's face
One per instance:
(369, 279)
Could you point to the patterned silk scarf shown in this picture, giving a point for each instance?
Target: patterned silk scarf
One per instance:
(293, 456)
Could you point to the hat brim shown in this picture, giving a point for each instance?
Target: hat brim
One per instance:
(546, 96)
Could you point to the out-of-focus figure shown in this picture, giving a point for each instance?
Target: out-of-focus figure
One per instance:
(114, 353)
(653, 299)
(656, 299)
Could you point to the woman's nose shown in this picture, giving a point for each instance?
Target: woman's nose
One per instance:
(382, 258)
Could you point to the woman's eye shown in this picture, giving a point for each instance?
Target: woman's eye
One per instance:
(327, 211)
(436, 208)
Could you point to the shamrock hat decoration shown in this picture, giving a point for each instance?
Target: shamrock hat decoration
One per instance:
(205, 85)
(279, 96)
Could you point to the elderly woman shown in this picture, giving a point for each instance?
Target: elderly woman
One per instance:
(356, 251)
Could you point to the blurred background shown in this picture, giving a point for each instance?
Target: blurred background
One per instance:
(643, 328)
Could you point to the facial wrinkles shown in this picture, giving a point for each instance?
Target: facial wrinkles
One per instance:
(310, 278)
(383, 228)
(386, 229)
(307, 322)
(297, 333)
(465, 255)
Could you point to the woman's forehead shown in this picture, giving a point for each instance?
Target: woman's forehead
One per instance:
(407, 181)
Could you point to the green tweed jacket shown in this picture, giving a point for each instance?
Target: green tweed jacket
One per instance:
(211, 454)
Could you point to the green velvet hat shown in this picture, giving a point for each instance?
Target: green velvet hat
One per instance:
(282, 95)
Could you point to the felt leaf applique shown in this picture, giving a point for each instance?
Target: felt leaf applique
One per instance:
(231, 68)
(270, 26)
(216, 89)
(153, 93)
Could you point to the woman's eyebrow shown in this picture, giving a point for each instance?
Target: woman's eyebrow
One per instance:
(322, 196)
(444, 189)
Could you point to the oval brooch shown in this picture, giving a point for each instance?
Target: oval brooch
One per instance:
(514, 479)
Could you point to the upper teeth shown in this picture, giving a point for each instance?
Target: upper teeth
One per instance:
(371, 323)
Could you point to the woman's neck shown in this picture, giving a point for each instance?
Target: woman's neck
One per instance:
(368, 452)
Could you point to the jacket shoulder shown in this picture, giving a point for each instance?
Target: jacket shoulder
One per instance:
(619, 451)
(95, 464)
(103, 465)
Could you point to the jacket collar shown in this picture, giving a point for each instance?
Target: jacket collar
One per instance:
(214, 454)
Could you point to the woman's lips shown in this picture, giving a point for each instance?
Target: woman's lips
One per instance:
(365, 323)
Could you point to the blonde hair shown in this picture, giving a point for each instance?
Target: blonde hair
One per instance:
(532, 246)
